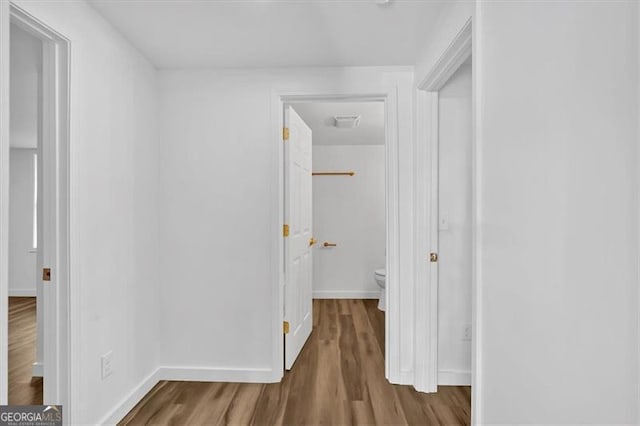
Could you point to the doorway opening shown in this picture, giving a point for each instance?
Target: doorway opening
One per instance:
(335, 209)
(35, 157)
(350, 359)
(392, 371)
(453, 241)
(26, 321)
(448, 337)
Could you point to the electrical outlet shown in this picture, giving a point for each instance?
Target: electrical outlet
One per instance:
(466, 332)
(106, 364)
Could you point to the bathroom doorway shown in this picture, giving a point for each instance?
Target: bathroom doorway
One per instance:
(348, 184)
(335, 200)
(348, 198)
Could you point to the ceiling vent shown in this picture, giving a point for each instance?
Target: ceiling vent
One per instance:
(347, 121)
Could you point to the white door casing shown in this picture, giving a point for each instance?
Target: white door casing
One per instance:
(298, 244)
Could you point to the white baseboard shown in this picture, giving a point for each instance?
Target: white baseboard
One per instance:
(130, 401)
(250, 375)
(247, 375)
(454, 378)
(37, 369)
(403, 378)
(22, 292)
(346, 294)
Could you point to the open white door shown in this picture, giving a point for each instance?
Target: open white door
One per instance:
(298, 242)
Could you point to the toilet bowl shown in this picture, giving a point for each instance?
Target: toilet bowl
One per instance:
(380, 276)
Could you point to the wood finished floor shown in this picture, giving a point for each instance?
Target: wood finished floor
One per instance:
(23, 389)
(338, 379)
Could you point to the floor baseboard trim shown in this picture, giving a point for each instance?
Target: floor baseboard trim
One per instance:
(346, 294)
(130, 401)
(37, 369)
(454, 378)
(246, 375)
(22, 292)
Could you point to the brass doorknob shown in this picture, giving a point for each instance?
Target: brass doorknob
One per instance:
(312, 241)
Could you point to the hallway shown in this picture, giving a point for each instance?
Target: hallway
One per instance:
(338, 379)
(23, 389)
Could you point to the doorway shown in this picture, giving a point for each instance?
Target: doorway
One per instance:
(454, 238)
(392, 315)
(35, 212)
(455, 223)
(26, 321)
(335, 247)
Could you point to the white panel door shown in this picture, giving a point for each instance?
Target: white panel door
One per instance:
(298, 245)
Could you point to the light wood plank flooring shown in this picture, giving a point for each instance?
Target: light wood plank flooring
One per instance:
(338, 379)
(23, 389)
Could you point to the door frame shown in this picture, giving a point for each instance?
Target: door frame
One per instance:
(426, 312)
(392, 317)
(54, 128)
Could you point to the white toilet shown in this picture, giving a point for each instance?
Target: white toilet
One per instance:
(381, 276)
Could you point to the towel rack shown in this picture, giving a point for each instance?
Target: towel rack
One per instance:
(333, 173)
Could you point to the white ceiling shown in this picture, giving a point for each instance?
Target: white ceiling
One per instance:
(319, 116)
(273, 33)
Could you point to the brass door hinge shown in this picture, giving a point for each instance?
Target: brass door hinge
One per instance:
(285, 133)
(434, 257)
(285, 327)
(285, 230)
(46, 274)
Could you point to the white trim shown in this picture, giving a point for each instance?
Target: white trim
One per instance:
(37, 369)
(4, 196)
(131, 400)
(460, 49)
(393, 370)
(476, 220)
(638, 212)
(392, 318)
(404, 378)
(346, 294)
(208, 374)
(426, 293)
(22, 292)
(454, 377)
(277, 249)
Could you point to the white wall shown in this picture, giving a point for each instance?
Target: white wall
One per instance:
(349, 211)
(559, 217)
(218, 163)
(454, 245)
(556, 130)
(114, 210)
(22, 257)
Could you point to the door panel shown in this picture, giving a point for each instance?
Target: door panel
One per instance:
(298, 251)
